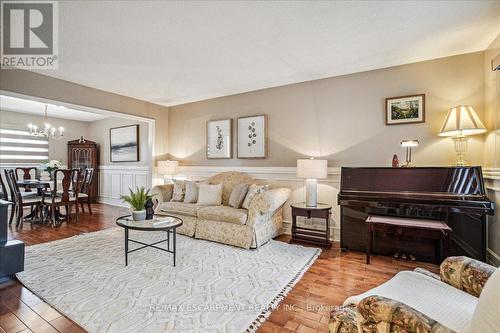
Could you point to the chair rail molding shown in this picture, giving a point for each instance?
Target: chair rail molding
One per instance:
(115, 180)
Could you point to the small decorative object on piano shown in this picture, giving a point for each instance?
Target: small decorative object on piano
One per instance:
(395, 161)
(408, 144)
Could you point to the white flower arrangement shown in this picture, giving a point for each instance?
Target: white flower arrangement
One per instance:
(51, 165)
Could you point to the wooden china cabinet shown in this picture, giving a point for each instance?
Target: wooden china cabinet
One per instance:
(84, 154)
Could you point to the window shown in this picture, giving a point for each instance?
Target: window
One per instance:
(19, 147)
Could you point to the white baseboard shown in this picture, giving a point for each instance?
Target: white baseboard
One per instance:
(112, 202)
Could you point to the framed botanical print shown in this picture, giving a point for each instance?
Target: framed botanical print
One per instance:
(124, 143)
(219, 138)
(405, 109)
(252, 137)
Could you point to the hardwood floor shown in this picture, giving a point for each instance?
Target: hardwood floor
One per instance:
(330, 280)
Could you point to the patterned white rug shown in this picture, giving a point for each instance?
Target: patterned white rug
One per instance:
(213, 288)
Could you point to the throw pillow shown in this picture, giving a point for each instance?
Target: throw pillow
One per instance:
(179, 190)
(238, 195)
(210, 195)
(253, 190)
(191, 195)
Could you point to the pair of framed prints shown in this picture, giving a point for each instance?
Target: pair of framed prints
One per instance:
(251, 133)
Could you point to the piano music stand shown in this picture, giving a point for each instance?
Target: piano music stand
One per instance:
(413, 227)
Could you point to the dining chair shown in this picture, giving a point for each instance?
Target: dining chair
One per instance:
(5, 196)
(20, 200)
(67, 196)
(84, 195)
(26, 175)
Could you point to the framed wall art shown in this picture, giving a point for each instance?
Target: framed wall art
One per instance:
(219, 139)
(405, 109)
(252, 137)
(124, 143)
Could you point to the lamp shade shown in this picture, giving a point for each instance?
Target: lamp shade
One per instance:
(167, 167)
(409, 143)
(462, 120)
(312, 169)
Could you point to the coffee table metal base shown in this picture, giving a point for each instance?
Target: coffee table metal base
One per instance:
(153, 245)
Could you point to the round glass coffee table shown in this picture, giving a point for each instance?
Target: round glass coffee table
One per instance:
(168, 224)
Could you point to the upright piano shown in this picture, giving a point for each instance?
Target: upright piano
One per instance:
(455, 195)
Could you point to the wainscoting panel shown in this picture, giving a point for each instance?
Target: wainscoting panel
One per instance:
(492, 180)
(115, 181)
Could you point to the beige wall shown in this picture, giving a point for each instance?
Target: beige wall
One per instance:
(38, 85)
(342, 118)
(73, 129)
(99, 132)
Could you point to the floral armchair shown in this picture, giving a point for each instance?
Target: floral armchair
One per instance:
(381, 314)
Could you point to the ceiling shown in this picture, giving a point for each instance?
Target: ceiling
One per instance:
(170, 52)
(15, 104)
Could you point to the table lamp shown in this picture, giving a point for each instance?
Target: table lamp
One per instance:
(312, 170)
(167, 169)
(461, 122)
(408, 144)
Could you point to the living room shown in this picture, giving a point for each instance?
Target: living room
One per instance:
(304, 158)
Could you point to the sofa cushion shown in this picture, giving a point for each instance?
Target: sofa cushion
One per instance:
(182, 208)
(191, 195)
(229, 180)
(223, 214)
(253, 190)
(238, 195)
(179, 191)
(210, 195)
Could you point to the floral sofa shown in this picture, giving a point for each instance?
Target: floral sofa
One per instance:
(239, 227)
(456, 300)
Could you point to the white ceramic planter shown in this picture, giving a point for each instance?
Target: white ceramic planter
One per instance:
(139, 215)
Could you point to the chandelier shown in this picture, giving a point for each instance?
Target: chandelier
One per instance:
(47, 131)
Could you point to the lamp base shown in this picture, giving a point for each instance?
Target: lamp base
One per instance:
(311, 192)
(460, 149)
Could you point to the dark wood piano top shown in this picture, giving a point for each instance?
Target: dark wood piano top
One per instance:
(438, 188)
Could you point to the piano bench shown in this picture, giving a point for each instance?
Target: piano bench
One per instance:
(421, 228)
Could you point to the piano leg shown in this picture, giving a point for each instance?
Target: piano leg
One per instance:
(370, 244)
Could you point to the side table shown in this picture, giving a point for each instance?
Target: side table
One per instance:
(309, 235)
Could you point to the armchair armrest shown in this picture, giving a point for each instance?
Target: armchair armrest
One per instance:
(266, 204)
(380, 314)
(162, 193)
(467, 274)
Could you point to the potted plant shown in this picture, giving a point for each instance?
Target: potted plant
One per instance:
(49, 168)
(137, 201)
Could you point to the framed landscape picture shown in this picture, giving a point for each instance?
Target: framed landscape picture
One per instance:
(124, 143)
(252, 137)
(405, 109)
(219, 138)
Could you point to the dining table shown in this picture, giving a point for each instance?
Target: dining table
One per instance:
(29, 184)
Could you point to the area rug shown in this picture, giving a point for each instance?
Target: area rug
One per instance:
(213, 288)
